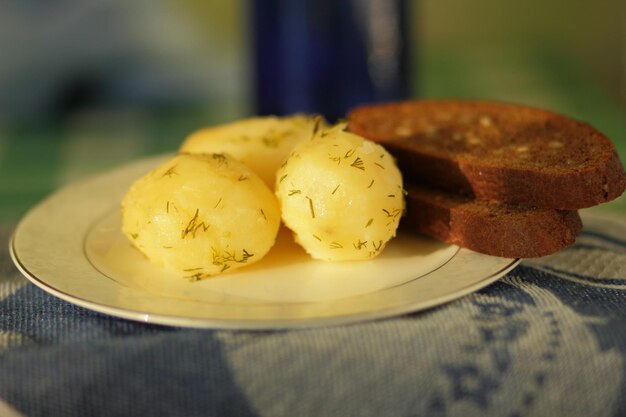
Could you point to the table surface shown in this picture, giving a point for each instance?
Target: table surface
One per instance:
(547, 339)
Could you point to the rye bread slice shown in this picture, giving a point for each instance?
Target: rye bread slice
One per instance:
(498, 229)
(496, 151)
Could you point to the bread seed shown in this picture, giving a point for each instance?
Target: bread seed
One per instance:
(555, 144)
(473, 139)
(521, 149)
(485, 121)
(403, 131)
(431, 131)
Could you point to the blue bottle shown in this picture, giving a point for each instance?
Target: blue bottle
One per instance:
(327, 56)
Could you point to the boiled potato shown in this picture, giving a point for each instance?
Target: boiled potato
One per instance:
(200, 215)
(262, 143)
(341, 195)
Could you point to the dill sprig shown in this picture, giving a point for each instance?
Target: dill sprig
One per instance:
(193, 226)
(220, 158)
(226, 258)
(349, 153)
(311, 208)
(358, 163)
(393, 213)
(359, 244)
(317, 120)
(335, 158)
(170, 171)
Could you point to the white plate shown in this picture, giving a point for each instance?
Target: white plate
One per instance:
(71, 246)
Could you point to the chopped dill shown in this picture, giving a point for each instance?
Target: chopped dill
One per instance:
(226, 258)
(245, 256)
(371, 183)
(360, 244)
(393, 213)
(369, 222)
(336, 188)
(336, 245)
(358, 163)
(350, 153)
(379, 165)
(134, 235)
(242, 178)
(263, 214)
(317, 237)
(378, 247)
(335, 159)
(218, 203)
(316, 125)
(391, 195)
(270, 142)
(195, 277)
(171, 204)
(311, 207)
(220, 158)
(192, 269)
(293, 192)
(170, 171)
(282, 178)
(193, 226)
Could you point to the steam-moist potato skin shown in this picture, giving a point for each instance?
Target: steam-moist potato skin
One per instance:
(200, 215)
(341, 195)
(261, 143)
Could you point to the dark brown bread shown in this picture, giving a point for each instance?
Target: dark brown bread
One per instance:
(488, 227)
(496, 151)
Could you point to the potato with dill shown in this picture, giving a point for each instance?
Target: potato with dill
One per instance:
(200, 215)
(341, 195)
(262, 143)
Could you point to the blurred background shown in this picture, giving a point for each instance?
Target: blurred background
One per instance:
(85, 86)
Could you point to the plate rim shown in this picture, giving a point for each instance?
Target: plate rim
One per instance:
(222, 324)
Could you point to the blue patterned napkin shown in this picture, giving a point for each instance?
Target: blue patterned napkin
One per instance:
(548, 339)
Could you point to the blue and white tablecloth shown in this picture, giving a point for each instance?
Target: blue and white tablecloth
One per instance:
(549, 339)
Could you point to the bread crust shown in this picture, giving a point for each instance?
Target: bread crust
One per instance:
(488, 227)
(495, 151)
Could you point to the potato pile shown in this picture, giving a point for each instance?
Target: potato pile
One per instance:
(211, 208)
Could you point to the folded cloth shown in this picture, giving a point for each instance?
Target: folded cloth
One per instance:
(547, 339)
